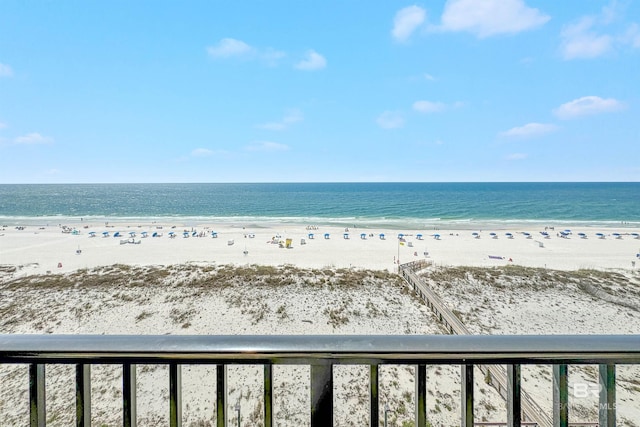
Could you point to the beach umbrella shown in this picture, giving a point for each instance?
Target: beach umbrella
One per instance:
(346, 236)
(400, 236)
(214, 235)
(600, 235)
(494, 235)
(92, 234)
(105, 233)
(381, 236)
(310, 236)
(185, 234)
(117, 234)
(617, 235)
(582, 235)
(509, 235)
(476, 235)
(132, 233)
(635, 235)
(436, 236)
(326, 235)
(363, 236)
(419, 236)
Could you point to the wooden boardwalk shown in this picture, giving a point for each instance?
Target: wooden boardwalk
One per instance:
(530, 409)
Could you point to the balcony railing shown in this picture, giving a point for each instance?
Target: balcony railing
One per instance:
(321, 353)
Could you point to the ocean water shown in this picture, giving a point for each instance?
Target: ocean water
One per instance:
(391, 205)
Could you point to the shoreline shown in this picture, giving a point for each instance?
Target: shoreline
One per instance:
(58, 248)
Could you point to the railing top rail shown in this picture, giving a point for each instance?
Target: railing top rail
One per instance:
(455, 349)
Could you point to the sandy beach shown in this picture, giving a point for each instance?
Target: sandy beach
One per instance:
(42, 248)
(159, 286)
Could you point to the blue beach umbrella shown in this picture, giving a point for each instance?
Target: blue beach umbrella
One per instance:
(436, 236)
(326, 236)
(92, 234)
(582, 235)
(419, 236)
(509, 235)
(600, 235)
(363, 236)
(381, 236)
(310, 236)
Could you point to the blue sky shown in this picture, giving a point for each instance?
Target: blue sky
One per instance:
(301, 91)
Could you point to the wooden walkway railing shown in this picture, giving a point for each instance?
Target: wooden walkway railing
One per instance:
(499, 380)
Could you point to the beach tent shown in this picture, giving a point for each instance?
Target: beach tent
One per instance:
(527, 235)
(310, 236)
(617, 235)
(600, 235)
(419, 236)
(509, 235)
(635, 235)
(582, 235)
(363, 236)
(155, 234)
(117, 234)
(493, 235)
(476, 235)
(346, 236)
(545, 234)
(326, 236)
(381, 236)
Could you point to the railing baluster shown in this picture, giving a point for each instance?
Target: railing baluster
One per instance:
(607, 409)
(268, 388)
(175, 395)
(421, 395)
(37, 399)
(83, 395)
(374, 402)
(514, 407)
(129, 395)
(466, 378)
(221, 401)
(560, 396)
(322, 395)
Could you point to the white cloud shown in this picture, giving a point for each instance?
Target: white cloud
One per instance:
(5, 71)
(428, 106)
(529, 130)
(32, 139)
(486, 18)
(406, 21)
(3, 125)
(267, 146)
(429, 77)
(591, 36)
(229, 47)
(292, 116)
(580, 41)
(390, 120)
(312, 61)
(587, 105)
(272, 56)
(517, 156)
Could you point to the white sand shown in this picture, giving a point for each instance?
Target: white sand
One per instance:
(44, 248)
(39, 250)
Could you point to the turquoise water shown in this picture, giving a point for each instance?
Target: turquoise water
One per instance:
(394, 205)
